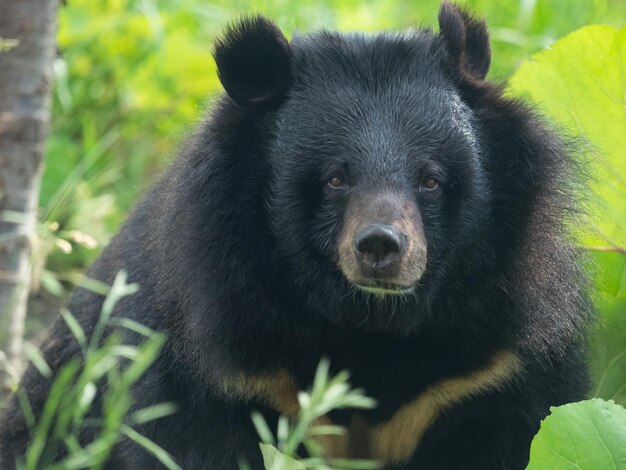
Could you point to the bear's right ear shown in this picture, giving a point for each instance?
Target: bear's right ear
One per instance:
(253, 61)
(466, 39)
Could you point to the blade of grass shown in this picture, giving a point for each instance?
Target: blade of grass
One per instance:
(165, 458)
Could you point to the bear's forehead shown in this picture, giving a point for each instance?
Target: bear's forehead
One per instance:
(372, 95)
(371, 61)
(399, 77)
(392, 114)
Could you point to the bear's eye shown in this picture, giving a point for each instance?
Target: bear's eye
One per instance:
(336, 182)
(429, 184)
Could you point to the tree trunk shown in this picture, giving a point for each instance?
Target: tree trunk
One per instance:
(27, 49)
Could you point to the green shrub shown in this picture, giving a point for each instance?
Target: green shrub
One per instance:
(108, 368)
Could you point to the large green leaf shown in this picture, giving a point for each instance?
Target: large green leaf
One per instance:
(581, 84)
(588, 435)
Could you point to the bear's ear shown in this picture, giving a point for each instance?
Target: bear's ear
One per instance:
(466, 39)
(253, 60)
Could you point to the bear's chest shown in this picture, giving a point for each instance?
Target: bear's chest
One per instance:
(395, 439)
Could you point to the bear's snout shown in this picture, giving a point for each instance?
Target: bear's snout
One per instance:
(382, 247)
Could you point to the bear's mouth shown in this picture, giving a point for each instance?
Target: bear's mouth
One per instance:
(383, 288)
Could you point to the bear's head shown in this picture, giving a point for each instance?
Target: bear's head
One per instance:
(380, 188)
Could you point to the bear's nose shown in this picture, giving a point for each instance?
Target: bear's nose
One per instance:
(379, 245)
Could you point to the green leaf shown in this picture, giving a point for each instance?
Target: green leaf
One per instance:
(51, 283)
(580, 83)
(354, 464)
(75, 328)
(119, 289)
(588, 435)
(14, 217)
(275, 460)
(163, 457)
(150, 413)
(35, 356)
(132, 326)
(262, 428)
(27, 409)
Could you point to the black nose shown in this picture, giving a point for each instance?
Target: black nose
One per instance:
(379, 245)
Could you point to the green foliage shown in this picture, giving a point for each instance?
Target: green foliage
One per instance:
(580, 83)
(328, 393)
(588, 435)
(130, 80)
(106, 372)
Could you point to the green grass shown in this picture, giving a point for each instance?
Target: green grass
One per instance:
(105, 373)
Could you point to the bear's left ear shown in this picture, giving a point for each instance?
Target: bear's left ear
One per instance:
(466, 39)
(253, 61)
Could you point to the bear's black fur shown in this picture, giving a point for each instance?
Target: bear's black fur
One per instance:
(461, 309)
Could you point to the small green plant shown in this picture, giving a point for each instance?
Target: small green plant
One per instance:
(328, 393)
(106, 372)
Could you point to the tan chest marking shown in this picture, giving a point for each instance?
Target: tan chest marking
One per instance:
(395, 440)
(277, 390)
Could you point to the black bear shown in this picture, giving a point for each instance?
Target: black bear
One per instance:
(367, 198)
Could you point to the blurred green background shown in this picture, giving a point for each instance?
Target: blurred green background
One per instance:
(133, 77)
